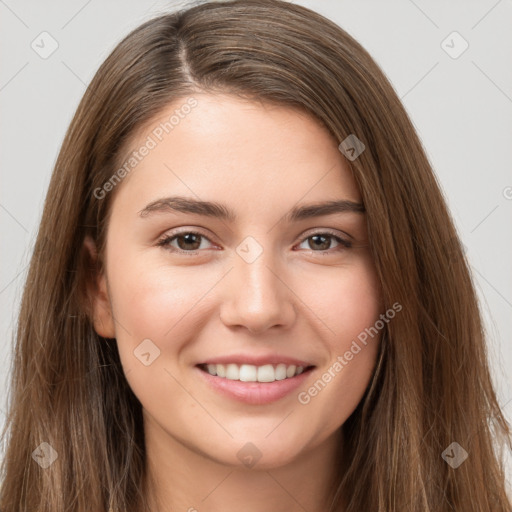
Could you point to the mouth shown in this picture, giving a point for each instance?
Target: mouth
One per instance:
(266, 373)
(262, 385)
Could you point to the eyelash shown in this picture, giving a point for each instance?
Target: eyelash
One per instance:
(167, 239)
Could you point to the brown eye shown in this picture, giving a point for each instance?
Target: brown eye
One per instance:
(186, 241)
(322, 242)
(189, 241)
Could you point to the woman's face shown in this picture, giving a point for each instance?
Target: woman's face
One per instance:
(274, 282)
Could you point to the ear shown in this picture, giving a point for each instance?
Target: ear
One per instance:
(97, 291)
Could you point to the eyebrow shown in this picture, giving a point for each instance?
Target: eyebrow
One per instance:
(218, 210)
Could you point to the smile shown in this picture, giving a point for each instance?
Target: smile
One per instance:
(275, 383)
(252, 373)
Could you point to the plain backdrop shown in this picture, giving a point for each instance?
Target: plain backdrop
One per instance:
(456, 87)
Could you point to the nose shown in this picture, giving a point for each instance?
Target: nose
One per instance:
(256, 296)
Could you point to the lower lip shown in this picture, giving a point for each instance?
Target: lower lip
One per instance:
(255, 393)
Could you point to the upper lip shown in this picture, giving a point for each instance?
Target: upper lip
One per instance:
(260, 360)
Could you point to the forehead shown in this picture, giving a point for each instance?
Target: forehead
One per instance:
(227, 147)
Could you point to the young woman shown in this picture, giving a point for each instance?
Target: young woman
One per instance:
(247, 291)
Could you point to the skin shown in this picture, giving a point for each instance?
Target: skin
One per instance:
(295, 299)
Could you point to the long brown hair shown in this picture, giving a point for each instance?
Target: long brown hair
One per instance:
(431, 386)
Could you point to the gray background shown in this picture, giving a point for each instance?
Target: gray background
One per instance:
(461, 108)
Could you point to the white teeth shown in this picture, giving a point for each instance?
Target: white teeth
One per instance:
(232, 372)
(280, 372)
(290, 371)
(266, 373)
(248, 373)
(251, 373)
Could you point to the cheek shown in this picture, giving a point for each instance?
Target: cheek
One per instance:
(348, 301)
(155, 303)
(351, 309)
(150, 300)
